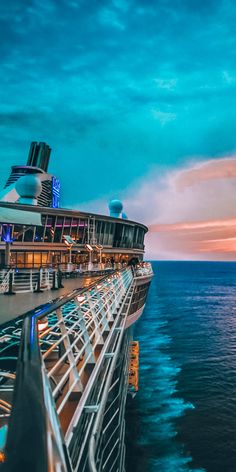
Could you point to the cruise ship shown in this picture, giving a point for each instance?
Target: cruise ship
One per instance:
(72, 286)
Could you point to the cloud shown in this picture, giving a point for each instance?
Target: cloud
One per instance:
(209, 170)
(121, 85)
(167, 84)
(190, 212)
(228, 78)
(110, 18)
(163, 117)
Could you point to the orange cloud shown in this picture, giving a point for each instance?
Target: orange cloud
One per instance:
(192, 212)
(209, 170)
(202, 225)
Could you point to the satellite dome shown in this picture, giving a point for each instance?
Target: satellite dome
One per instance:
(115, 207)
(124, 216)
(28, 187)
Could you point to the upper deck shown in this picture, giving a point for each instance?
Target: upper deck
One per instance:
(35, 232)
(35, 246)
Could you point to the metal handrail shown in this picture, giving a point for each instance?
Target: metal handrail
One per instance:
(24, 450)
(5, 281)
(34, 441)
(45, 309)
(99, 417)
(33, 402)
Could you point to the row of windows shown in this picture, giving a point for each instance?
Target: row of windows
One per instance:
(29, 259)
(54, 229)
(139, 298)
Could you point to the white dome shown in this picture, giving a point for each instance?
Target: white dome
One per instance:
(29, 186)
(115, 206)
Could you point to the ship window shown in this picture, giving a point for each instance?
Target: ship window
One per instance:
(39, 234)
(29, 259)
(13, 259)
(82, 230)
(44, 258)
(20, 259)
(111, 233)
(98, 231)
(58, 229)
(118, 235)
(49, 228)
(67, 226)
(74, 228)
(29, 235)
(18, 232)
(37, 259)
(106, 233)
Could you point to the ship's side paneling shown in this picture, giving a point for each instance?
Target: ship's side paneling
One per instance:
(139, 300)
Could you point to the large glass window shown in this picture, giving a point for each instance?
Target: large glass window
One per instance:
(82, 231)
(18, 232)
(37, 259)
(29, 235)
(67, 227)
(58, 229)
(20, 259)
(118, 235)
(29, 262)
(38, 236)
(74, 228)
(44, 258)
(49, 229)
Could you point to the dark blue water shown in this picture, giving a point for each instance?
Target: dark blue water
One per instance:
(184, 416)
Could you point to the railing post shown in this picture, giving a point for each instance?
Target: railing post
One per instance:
(38, 287)
(10, 284)
(54, 280)
(88, 349)
(48, 278)
(31, 281)
(74, 374)
(97, 325)
(105, 312)
(59, 279)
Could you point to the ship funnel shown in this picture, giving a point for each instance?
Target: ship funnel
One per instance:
(39, 155)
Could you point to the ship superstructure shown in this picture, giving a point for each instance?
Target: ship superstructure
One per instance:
(37, 164)
(65, 366)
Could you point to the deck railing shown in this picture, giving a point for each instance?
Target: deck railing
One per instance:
(68, 354)
(28, 280)
(144, 269)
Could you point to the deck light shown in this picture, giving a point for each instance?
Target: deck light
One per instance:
(89, 247)
(42, 324)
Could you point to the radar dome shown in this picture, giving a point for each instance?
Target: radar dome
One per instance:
(115, 207)
(28, 187)
(124, 216)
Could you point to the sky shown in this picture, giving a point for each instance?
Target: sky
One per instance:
(137, 100)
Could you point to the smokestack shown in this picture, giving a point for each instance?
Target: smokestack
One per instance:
(39, 155)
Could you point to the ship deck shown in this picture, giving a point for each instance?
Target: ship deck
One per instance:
(17, 305)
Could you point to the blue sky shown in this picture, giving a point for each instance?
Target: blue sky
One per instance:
(117, 88)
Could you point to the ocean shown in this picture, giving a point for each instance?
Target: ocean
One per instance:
(183, 418)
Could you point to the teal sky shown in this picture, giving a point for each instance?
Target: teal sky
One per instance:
(116, 88)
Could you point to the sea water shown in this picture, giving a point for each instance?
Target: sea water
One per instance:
(183, 418)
